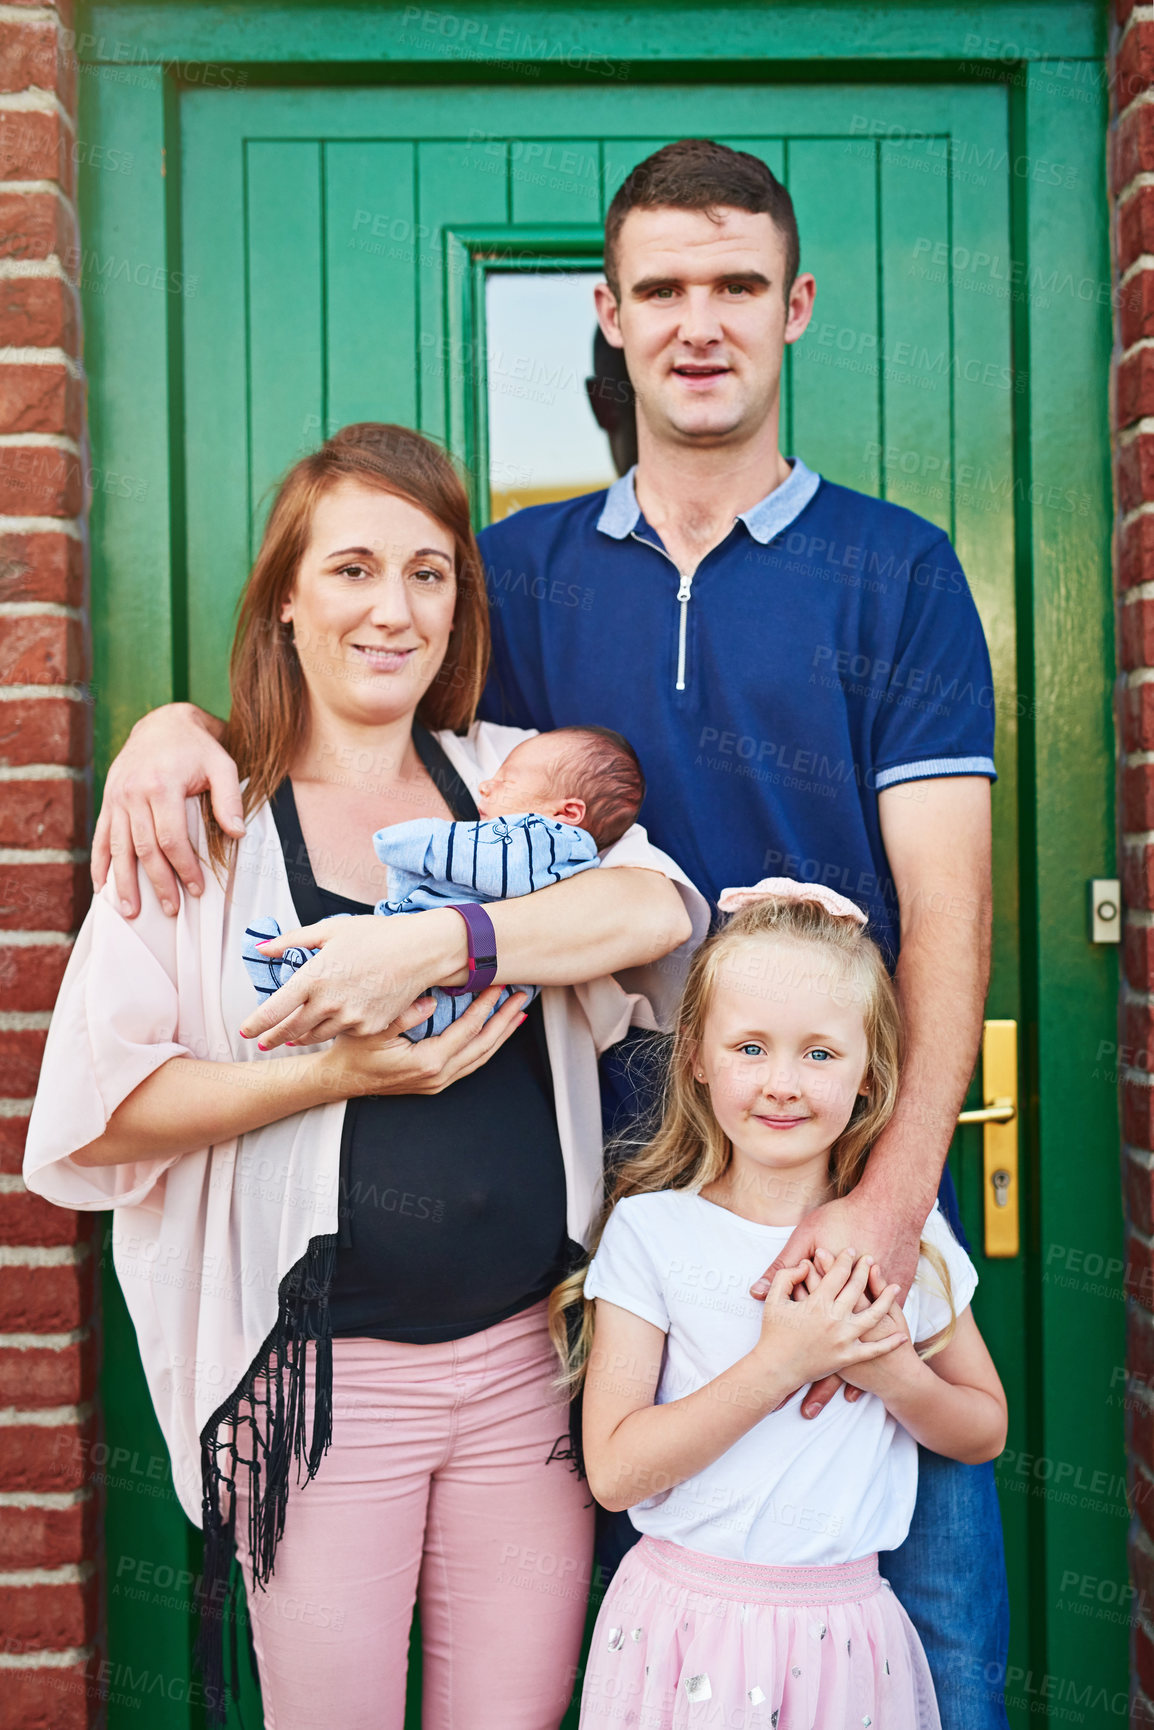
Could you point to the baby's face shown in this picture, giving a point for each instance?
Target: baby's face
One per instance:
(533, 777)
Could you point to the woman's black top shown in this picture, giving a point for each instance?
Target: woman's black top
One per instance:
(452, 1205)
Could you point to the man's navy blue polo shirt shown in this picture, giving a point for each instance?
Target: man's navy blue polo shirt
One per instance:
(827, 649)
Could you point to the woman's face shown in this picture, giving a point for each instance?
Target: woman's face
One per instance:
(372, 605)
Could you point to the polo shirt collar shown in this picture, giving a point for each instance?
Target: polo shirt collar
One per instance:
(621, 513)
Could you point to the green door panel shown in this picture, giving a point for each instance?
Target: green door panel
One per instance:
(461, 184)
(914, 326)
(285, 312)
(833, 370)
(371, 247)
(554, 180)
(339, 240)
(216, 403)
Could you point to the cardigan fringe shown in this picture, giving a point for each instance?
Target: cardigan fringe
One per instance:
(260, 1431)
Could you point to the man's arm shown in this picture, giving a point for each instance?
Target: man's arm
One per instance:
(937, 839)
(170, 754)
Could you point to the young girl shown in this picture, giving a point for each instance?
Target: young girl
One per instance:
(755, 1587)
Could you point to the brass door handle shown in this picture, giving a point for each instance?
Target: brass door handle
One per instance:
(1001, 1111)
(998, 1117)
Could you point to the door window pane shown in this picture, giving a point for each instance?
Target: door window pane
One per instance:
(543, 440)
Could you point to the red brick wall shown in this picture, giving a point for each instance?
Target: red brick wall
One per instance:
(48, 1518)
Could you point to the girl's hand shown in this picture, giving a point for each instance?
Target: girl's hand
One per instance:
(878, 1378)
(817, 1331)
(386, 1063)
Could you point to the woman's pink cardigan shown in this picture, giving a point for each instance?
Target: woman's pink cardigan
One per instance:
(202, 1242)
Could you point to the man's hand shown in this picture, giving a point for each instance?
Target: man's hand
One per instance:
(853, 1222)
(170, 755)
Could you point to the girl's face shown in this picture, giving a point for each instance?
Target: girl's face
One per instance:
(784, 1055)
(372, 605)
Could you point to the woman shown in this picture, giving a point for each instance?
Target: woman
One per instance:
(410, 1235)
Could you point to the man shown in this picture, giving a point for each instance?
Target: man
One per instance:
(802, 671)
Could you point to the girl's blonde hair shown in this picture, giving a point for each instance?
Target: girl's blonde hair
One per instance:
(690, 1149)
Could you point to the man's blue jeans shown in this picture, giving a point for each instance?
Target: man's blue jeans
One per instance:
(950, 1576)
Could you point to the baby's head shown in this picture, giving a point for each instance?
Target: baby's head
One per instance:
(588, 777)
(787, 1041)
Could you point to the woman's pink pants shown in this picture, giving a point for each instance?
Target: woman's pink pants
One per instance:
(435, 1487)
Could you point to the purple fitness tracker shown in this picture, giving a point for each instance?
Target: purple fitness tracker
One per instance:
(482, 948)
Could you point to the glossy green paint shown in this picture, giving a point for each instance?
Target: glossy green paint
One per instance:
(284, 41)
(131, 524)
(1076, 1324)
(288, 326)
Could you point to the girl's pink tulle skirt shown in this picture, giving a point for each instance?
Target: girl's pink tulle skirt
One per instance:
(686, 1641)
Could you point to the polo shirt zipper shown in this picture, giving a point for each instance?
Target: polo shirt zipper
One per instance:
(683, 597)
(684, 587)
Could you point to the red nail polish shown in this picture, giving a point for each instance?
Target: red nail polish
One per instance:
(243, 1034)
(261, 1047)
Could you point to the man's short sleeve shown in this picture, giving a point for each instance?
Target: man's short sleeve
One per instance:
(502, 699)
(624, 1271)
(936, 715)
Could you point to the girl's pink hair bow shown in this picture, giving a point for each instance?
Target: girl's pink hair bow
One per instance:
(787, 889)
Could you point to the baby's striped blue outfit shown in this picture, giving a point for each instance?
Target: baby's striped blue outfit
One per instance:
(435, 862)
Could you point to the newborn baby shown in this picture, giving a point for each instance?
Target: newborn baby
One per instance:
(557, 800)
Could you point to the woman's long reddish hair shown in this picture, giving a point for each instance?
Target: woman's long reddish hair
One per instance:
(269, 712)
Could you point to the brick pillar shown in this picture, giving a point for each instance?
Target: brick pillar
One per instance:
(1132, 188)
(49, 1540)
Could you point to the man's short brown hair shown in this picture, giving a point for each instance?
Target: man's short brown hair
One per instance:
(699, 174)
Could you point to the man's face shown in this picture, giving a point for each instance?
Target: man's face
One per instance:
(703, 319)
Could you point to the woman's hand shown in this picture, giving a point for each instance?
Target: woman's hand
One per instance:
(387, 1063)
(817, 1330)
(369, 970)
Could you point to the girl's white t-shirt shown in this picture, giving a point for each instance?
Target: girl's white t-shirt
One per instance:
(794, 1491)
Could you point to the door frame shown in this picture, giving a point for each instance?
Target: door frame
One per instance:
(470, 254)
(135, 61)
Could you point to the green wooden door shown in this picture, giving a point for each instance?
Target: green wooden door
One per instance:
(339, 243)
